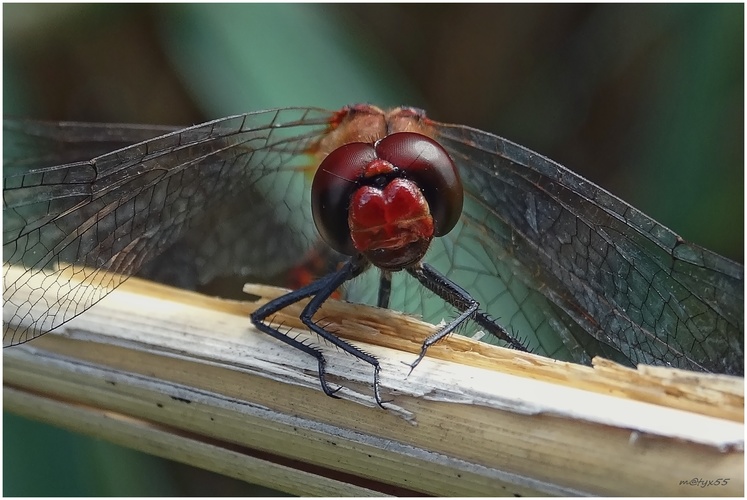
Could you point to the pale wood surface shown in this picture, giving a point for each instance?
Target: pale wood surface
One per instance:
(186, 376)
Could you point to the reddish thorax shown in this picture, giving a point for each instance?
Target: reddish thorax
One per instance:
(367, 123)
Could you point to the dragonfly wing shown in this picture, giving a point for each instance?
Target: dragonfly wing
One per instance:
(626, 280)
(244, 238)
(115, 212)
(29, 144)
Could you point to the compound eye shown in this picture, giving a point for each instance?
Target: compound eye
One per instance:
(335, 181)
(426, 162)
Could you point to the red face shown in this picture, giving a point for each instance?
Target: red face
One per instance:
(388, 199)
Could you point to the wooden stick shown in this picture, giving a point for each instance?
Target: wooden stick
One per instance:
(187, 377)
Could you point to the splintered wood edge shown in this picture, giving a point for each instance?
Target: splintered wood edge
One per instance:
(708, 394)
(198, 348)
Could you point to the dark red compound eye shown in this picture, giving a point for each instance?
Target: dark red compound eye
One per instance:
(354, 189)
(429, 166)
(335, 181)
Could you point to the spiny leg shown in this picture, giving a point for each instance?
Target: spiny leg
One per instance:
(458, 297)
(353, 268)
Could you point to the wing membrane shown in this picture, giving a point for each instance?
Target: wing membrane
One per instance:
(114, 212)
(620, 276)
(569, 268)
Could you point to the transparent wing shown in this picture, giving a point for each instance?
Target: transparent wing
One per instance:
(31, 144)
(563, 264)
(583, 265)
(99, 221)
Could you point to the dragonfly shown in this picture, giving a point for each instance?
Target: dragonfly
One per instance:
(539, 257)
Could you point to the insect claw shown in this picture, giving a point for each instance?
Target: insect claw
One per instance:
(382, 403)
(334, 392)
(377, 392)
(411, 365)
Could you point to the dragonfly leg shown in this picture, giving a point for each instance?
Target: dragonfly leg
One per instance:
(385, 289)
(258, 319)
(458, 297)
(351, 269)
(321, 291)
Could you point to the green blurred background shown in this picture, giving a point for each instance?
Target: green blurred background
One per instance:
(645, 100)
